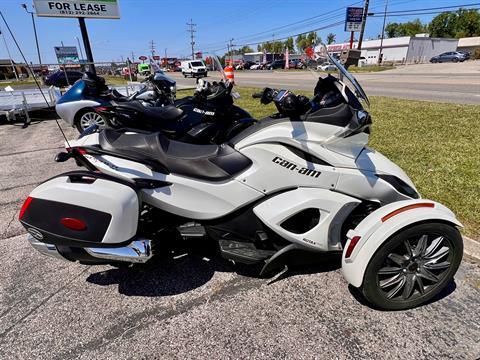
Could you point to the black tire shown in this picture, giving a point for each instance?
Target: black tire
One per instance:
(371, 287)
(455, 60)
(81, 113)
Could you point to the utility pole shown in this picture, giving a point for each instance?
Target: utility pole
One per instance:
(364, 20)
(192, 30)
(230, 46)
(9, 56)
(152, 47)
(380, 55)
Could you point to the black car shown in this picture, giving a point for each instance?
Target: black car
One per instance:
(58, 78)
(277, 64)
(453, 56)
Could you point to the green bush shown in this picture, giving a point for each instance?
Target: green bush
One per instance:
(476, 54)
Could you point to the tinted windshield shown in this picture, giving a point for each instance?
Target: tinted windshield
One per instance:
(197, 63)
(319, 56)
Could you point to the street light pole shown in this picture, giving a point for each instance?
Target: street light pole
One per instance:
(36, 37)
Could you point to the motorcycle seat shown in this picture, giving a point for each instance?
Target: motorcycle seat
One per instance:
(204, 162)
(165, 113)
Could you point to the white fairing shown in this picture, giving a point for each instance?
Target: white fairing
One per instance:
(314, 138)
(333, 208)
(68, 110)
(374, 232)
(186, 197)
(120, 201)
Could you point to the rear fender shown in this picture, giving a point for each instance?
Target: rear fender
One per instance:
(381, 224)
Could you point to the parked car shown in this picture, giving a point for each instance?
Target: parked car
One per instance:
(58, 78)
(296, 64)
(454, 56)
(255, 67)
(327, 67)
(276, 64)
(467, 54)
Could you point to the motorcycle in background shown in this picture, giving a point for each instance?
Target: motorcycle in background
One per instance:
(76, 106)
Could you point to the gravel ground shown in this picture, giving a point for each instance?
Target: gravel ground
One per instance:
(194, 307)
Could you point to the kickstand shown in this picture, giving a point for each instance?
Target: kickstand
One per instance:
(279, 276)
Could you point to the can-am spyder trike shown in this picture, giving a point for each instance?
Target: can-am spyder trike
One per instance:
(298, 183)
(77, 106)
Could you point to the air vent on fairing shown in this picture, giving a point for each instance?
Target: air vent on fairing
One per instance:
(302, 221)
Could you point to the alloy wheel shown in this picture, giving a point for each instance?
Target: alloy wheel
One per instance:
(91, 118)
(414, 267)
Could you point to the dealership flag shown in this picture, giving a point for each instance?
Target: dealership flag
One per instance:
(286, 58)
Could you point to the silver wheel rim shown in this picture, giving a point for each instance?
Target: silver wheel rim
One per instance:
(414, 267)
(90, 118)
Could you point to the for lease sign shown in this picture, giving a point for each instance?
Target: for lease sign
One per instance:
(103, 9)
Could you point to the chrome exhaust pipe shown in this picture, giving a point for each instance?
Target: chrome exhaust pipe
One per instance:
(45, 249)
(138, 251)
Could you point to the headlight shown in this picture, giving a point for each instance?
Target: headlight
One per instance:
(173, 88)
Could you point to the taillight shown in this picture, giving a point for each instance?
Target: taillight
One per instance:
(82, 151)
(353, 242)
(25, 205)
(73, 224)
(406, 208)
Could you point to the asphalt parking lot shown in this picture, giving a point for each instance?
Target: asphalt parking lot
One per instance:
(446, 82)
(194, 307)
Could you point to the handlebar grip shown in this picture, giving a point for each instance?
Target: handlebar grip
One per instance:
(257, 95)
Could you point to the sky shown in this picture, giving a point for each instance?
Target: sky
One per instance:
(164, 22)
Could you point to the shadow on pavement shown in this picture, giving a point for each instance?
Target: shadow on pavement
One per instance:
(165, 276)
(449, 289)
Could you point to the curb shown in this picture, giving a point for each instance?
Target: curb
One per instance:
(471, 248)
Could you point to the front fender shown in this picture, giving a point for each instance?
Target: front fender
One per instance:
(380, 225)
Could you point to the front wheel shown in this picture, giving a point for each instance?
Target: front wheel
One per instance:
(89, 117)
(413, 266)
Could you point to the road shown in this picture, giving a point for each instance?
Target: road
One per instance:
(197, 307)
(456, 83)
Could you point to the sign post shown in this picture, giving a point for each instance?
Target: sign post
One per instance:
(81, 9)
(353, 21)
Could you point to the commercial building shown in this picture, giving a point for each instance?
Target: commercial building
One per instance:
(469, 44)
(407, 49)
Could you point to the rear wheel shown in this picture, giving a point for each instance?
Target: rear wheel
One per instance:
(89, 117)
(413, 266)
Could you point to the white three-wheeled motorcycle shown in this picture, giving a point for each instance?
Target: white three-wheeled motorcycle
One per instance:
(297, 183)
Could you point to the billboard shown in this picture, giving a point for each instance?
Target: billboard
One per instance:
(100, 9)
(353, 19)
(66, 54)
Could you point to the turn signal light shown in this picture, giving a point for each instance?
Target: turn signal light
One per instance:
(353, 242)
(25, 205)
(406, 208)
(73, 224)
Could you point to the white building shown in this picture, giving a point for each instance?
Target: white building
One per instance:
(406, 49)
(469, 44)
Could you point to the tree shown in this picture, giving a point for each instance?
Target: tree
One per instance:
(462, 23)
(330, 38)
(289, 45)
(410, 28)
(304, 41)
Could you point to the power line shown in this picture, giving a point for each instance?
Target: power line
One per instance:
(421, 13)
(434, 8)
(192, 30)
